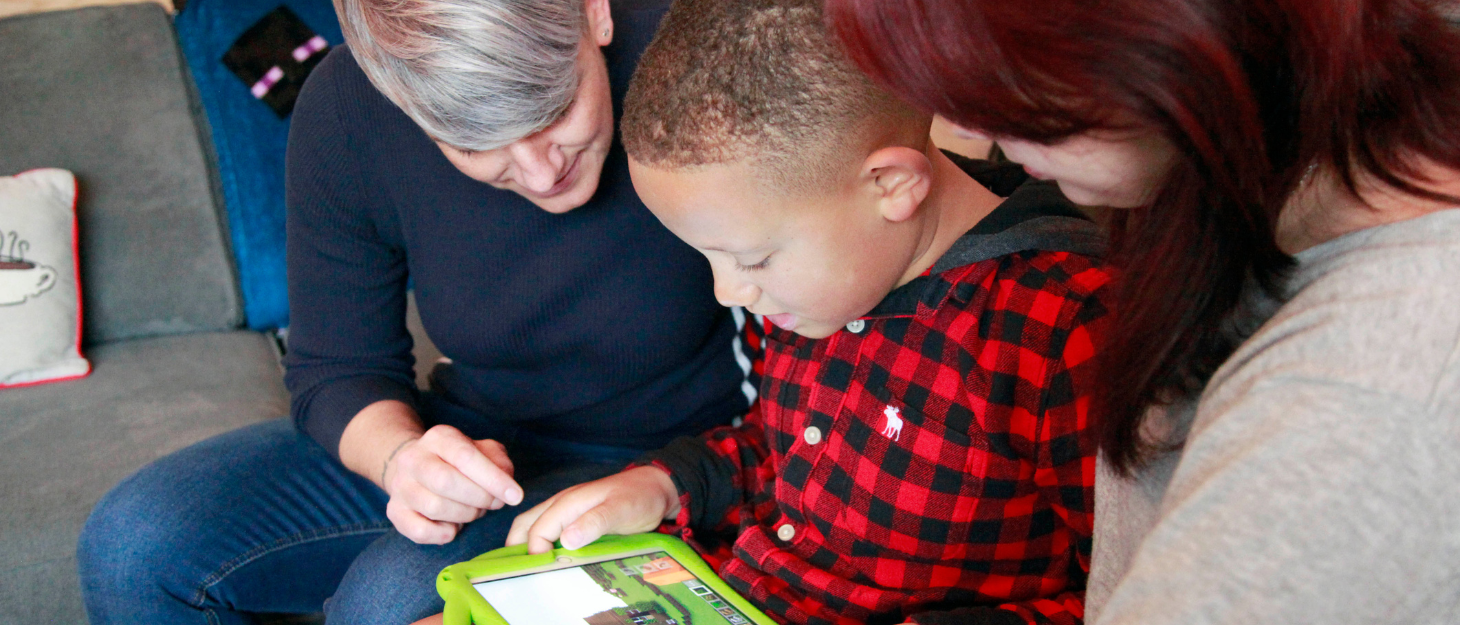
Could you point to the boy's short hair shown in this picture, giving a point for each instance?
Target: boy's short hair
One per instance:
(757, 80)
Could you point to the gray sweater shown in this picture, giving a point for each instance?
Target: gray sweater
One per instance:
(1320, 477)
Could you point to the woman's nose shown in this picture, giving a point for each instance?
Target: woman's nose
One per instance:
(539, 163)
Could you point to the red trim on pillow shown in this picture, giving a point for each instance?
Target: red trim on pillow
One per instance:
(50, 380)
(76, 267)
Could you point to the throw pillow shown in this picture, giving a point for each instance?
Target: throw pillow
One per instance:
(40, 292)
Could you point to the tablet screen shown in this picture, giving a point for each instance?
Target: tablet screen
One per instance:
(650, 589)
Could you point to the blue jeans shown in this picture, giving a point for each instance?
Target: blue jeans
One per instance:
(262, 519)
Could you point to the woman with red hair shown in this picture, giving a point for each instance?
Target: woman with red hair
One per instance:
(1283, 390)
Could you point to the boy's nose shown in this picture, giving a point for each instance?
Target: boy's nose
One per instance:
(731, 290)
(539, 163)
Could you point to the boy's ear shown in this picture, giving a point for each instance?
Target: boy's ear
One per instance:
(900, 178)
(600, 21)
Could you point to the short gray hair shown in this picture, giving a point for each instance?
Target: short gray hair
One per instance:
(474, 74)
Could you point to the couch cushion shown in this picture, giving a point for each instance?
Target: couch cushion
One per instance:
(62, 446)
(101, 91)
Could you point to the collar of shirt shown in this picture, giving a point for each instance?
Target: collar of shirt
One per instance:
(1035, 217)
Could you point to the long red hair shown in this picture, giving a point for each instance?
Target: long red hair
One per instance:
(1253, 94)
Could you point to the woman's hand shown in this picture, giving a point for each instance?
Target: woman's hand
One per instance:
(437, 479)
(441, 480)
(631, 502)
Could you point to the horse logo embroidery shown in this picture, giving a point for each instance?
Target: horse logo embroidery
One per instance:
(893, 428)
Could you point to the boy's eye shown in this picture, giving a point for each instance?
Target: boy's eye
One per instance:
(760, 265)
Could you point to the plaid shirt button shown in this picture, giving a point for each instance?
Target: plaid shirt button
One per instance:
(786, 532)
(856, 326)
(812, 435)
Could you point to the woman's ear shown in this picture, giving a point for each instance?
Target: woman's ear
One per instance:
(600, 21)
(900, 179)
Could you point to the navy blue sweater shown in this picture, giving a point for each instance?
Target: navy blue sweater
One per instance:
(596, 325)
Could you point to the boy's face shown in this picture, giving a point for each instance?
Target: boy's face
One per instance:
(811, 262)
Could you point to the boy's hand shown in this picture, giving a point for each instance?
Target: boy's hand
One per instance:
(442, 479)
(631, 502)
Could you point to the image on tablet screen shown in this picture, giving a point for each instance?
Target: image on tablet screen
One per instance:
(650, 589)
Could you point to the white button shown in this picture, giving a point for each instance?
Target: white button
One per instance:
(786, 532)
(856, 326)
(812, 435)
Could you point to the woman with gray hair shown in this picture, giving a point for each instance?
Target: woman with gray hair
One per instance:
(464, 147)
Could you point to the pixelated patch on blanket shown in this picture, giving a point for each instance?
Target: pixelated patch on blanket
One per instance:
(274, 56)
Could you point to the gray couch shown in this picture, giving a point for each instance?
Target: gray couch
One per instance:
(103, 92)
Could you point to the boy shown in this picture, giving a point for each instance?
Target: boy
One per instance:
(923, 450)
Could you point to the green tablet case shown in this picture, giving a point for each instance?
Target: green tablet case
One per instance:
(466, 606)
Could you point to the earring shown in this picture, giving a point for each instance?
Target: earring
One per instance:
(605, 32)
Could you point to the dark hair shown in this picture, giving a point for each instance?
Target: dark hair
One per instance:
(1252, 93)
(758, 80)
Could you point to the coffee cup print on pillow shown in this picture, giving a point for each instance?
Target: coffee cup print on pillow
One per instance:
(21, 279)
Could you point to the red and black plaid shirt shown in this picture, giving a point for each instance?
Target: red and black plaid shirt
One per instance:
(935, 456)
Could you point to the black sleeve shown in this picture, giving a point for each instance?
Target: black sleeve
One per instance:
(702, 478)
(348, 343)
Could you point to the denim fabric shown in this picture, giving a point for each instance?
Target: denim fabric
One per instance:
(261, 519)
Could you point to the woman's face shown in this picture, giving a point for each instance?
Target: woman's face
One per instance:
(1118, 169)
(556, 168)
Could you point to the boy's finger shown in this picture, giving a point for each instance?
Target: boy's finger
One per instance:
(546, 528)
(567, 508)
(590, 526)
(538, 543)
(520, 525)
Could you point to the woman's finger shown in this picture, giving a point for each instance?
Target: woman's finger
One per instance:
(469, 459)
(437, 508)
(445, 480)
(497, 453)
(417, 528)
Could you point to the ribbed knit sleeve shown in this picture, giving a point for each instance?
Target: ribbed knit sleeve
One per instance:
(348, 343)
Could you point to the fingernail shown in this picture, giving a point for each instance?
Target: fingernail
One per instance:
(513, 495)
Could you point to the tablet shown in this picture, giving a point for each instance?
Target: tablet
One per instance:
(644, 579)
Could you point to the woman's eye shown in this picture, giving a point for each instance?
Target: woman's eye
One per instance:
(760, 265)
(562, 115)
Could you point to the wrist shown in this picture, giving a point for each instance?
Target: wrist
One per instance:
(665, 485)
(386, 464)
(376, 433)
